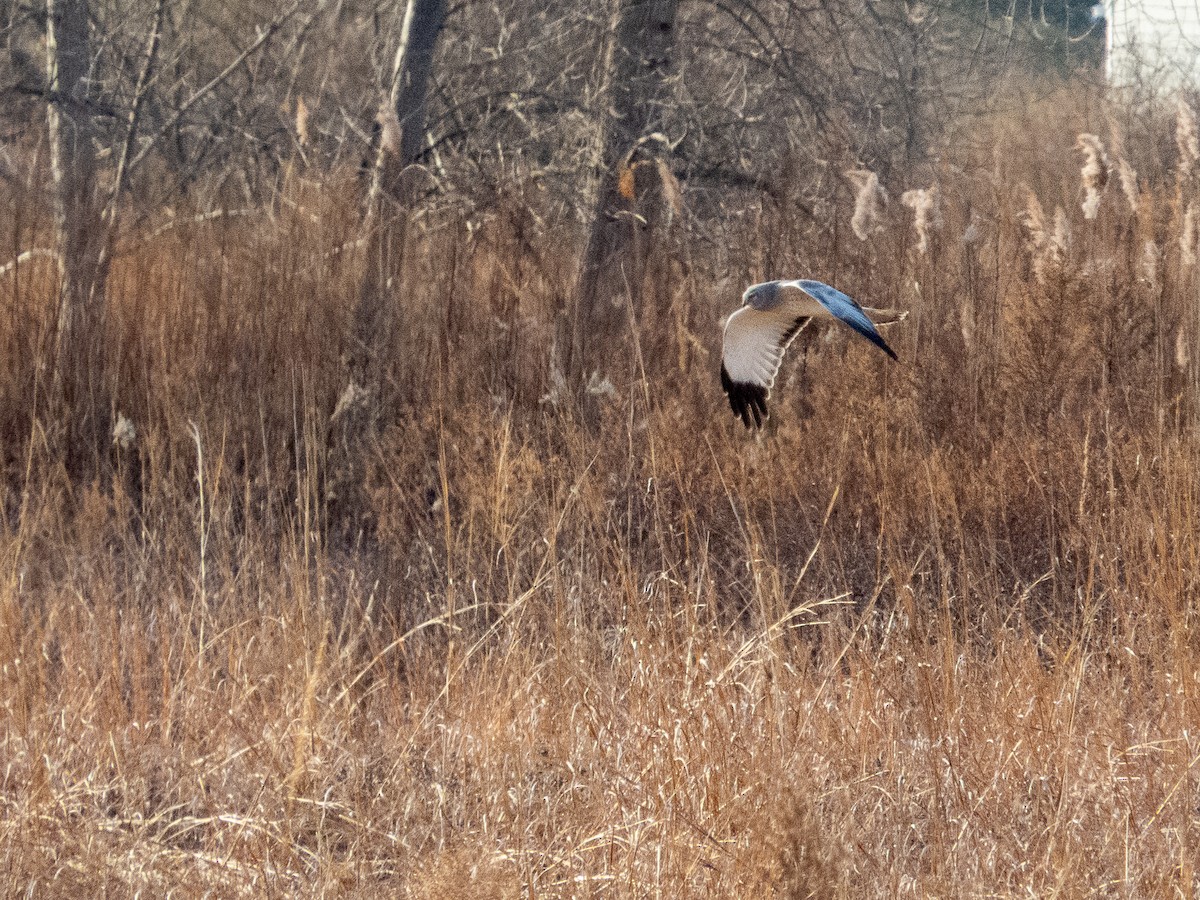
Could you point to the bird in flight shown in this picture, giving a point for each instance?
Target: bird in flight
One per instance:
(770, 317)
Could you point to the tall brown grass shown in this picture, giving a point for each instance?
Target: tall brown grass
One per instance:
(934, 634)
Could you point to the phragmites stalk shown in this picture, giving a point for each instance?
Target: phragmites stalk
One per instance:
(1116, 137)
(966, 317)
(1186, 140)
(1048, 244)
(389, 128)
(1183, 352)
(124, 433)
(927, 213)
(301, 121)
(1150, 256)
(1129, 185)
(1187, 237)
(1094, 174)
(1126, 173)
(1034, 218)
(869, 194)
(1060, 238)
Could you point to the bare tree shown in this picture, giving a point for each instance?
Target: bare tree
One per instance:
(403, 119)
(401, 140)
(611, 274)
(86, 205)
(77, 224)
(401, 133)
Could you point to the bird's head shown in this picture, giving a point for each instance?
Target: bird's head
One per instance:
(761, 296)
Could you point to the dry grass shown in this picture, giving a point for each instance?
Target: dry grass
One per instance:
(935, 634)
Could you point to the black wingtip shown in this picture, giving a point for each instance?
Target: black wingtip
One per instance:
(748, 401)
(877, 339)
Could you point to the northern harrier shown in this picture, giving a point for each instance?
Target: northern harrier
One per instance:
(771, 315)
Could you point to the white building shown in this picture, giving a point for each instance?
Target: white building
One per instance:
(1154, 42)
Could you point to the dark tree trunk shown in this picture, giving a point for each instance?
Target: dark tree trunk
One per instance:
(394, 180)
(79, 408)
(610, 278)
(402, 141)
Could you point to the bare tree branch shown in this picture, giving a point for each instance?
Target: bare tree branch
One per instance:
(264, 35)
(135, 110)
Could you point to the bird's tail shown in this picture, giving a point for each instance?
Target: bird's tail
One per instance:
(886, 316)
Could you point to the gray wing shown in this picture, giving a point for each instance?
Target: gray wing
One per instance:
(846, 310)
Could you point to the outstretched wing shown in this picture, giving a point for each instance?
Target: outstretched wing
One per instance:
(844, 309)
(752, 351)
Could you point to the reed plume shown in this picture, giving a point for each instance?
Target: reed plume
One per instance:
(1129, 185)
(1094, 174)
(868, 197)
(1048, 243)
(1187, 237)
(1150, 255)
(927, 213)
(389, 128)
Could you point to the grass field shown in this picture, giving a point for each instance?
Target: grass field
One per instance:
(934, 634)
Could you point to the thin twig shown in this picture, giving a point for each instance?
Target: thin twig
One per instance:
(264, 35)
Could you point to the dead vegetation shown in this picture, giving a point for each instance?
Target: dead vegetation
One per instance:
(933, 635)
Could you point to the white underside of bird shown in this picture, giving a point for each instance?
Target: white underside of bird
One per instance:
(758, 334)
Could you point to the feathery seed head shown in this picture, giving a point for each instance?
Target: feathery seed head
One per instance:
(1060, 238)
(124, 433)
(389, 128)
(927, 212)
(1187, 237)
(1094, 173)
(301, 121)
(1150, 255)
(974, 229)
(600, 386)
(1048, 244)
(1034, 219)
(1129, 185)
(869, 195)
